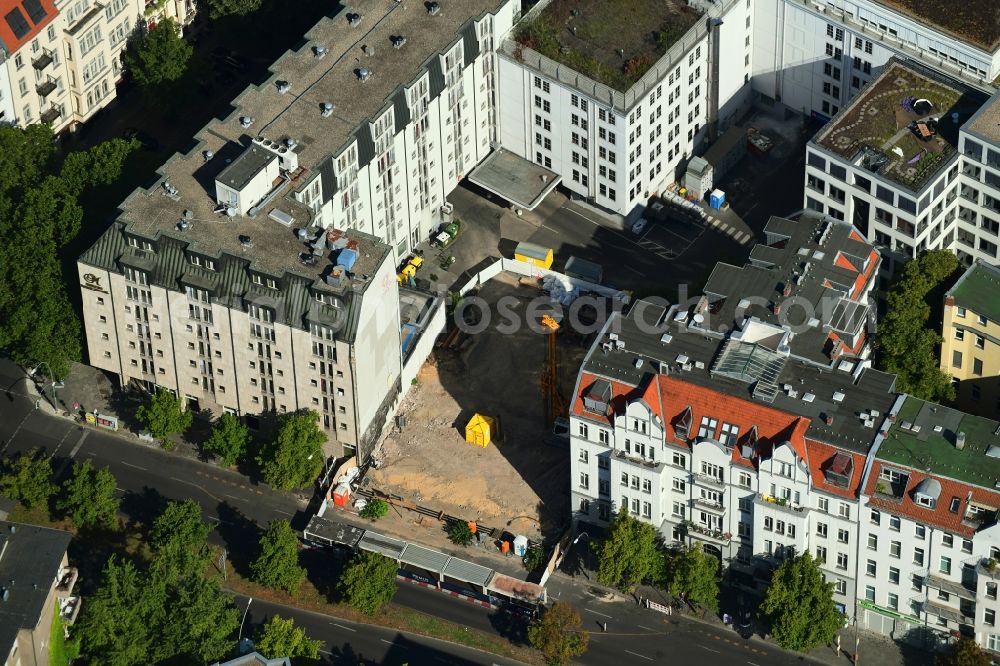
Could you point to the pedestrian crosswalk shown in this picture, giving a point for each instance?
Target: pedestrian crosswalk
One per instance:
(741, 237)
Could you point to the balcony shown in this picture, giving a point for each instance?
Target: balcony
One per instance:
(953, 614)
(891, 491)
(700, 531)
(46, 87)
(43, 60)
(69, 609)
(635, 460)
(781, 504)
(51, 114)
(988, 568)
(708, 480)
(951, 587)
(67, 580)
(711, 505)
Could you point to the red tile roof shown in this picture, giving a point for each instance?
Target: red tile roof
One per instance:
(821, 456)
(18, 13)
(941, 515)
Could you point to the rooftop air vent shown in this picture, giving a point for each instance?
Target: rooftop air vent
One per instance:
(246, 121)
(326, 109)
(290, 143)
(183, 225)
(320, 51)
(367, 50)
(354, 20)
(363, 73)
(208, 154)
(433, 8)
(960, 441)
(246, 241)
(284, 87)
(398, 41)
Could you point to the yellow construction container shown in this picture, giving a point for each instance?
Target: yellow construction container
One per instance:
(533, 254)
(480, 430)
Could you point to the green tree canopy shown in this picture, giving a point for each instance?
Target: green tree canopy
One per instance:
(368, 582)
(89, 497)
(907, 345)
(277, 564)
(460, 533)
(965, 652)
(28, 479)
(631, 554)
(164, 415)
(220, 8)
(799, 605)
(375, 508)
(179, 538)
(229, 439)
(118, 623)
(161, 56)
(696, 574)
(295, 458)
(281, 638)
(39, 215)
(201, 621)
(559, 634)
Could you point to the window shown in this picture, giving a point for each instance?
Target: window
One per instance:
(918, 556)
(625, 479)
(584, 456)
(870, 593)
(977, 368)
(845, 510)
(945, 565)
(679, 485)
(876, 517)
(821, 530)
(966, 545)
(679, 460)
(872, 542)
(842, 561)
(823, 504)
(745, 479)
(707, 428)
(871, 568)
(602, 436)
(678, 509)
(647, 510)
(821, 554)
(990, 617)
(947, 540)
(843, 536)
(582, 430)
(894, 523)
(894, 575)
(647, 486)
(584, 480)
(768, 524)
(729, 434)
(980, 342)
(893, 601)
(895, 549)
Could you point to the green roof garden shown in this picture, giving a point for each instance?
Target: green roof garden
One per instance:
(974, 21)
(613, 42)
(879, 129)
(924, 436)
(977, 290)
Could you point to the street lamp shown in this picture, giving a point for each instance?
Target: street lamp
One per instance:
(54, 383)
(239, 637)
(576, 540)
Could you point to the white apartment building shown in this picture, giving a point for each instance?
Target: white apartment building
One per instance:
(906, 193)
(814, 56)
(928, 537)
(612, 141)
(61, 60)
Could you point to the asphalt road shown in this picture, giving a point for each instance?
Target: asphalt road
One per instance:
(149, 476)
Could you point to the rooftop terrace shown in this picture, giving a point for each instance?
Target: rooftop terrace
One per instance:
(901, 126)
(924, 437)
(588, 35)
(976, 21)
(977, 290)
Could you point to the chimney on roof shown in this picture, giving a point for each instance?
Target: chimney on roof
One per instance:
(776, 308)
(828, 418)
(960, 441)
(949, 300)
(787, 291)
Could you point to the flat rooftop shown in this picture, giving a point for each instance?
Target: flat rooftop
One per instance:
(878, 129)
(296, 113)
(519, 181)
(974, 21)
(587, 35)
(801, 388)
(932, 446)
(805, 259)
(977, 290)
(986, 123)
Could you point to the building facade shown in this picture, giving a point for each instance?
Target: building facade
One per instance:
(970, 348)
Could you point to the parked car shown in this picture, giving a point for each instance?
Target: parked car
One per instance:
(639, 226)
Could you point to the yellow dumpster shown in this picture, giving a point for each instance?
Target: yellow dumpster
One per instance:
(480, 430)
(533, 254)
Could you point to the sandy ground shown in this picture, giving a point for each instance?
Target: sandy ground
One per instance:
(519, 483)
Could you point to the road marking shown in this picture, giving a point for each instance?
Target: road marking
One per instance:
(286, 513)
(59, 445)
(137, 467)
(387, 642)
(596, 612)
(709, 649)
(752, 663)
(641, 656)
(16, 430)
(238, 499)
(325, 652)
(121, 490)
(343, 627)
(646, 628)
(190, 483)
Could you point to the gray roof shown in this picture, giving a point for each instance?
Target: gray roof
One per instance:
(29, 564)
(659, 336)
(469, 572)
(382, 544)
(802, 268)
(255, 659)
(242, 170)
(333, 532)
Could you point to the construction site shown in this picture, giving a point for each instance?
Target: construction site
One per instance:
(482, 435)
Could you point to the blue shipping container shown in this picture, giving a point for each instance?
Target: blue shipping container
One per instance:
(347, 257)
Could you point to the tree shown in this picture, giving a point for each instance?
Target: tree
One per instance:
(281, 638)
(89, 497)
(277, 565)
(179, 538)
(220, 8)
(28, 479)
(201, 622)
(559, 634)
(161, 56)
(906, 344)
(799, 605)
(695, 573)
(965, 652)
(630, 555)
(119, 622)
(460, 533)
(295, 458)
(164, 415)
(375, 509)
(229, 439)
(368, 582)
(534, 557)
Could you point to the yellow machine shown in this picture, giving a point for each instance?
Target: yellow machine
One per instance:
(554, 403)
(410, 269)
(480, 430)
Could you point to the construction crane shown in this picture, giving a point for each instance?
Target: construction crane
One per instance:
(554, 404)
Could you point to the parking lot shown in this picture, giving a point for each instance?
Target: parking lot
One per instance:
(670, 239)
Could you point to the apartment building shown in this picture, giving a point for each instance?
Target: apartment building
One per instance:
(970, 350)
(815, 56)
(257, 275)
(37, 583)
(613, 136)
(889, 163)
(929, 533)
(61, 60)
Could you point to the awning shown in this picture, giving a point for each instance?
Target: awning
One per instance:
(424, 558)
(467, 572)
(383, 545)
(514, 178)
